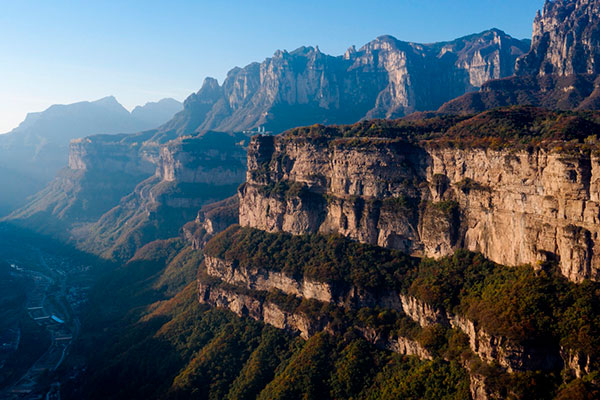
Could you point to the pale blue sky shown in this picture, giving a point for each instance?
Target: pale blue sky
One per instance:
(66, 51)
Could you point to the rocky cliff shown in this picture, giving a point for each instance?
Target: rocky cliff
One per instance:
(32, 153)
(108, 153)
(490, 348)
(428, 199)
(191, 172)
(313, 283)
(251, 305)
(210, 220)
(120, 193)
(565, 39)
(385, 78)
(560, 71)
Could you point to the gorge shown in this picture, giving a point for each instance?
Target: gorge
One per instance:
(402, 221)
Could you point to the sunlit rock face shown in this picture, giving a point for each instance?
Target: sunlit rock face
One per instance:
(565, 39)
(560, 71)
(515, 207)
(386, 78)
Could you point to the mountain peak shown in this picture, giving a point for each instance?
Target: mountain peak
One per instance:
(496, 31)
(210, 83)
(565, 39)
(386, 39)
(165, 102)
(107, 100)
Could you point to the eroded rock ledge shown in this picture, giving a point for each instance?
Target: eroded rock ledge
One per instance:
(253, 305)
(511, 356)
(514, 206)
(243, 292)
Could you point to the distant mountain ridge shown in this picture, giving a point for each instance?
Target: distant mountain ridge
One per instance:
(561, 69)
(32, 153)
(386, 78)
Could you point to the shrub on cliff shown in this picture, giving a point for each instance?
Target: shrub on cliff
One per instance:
(514, 302)
(331, 259)
(510, 128)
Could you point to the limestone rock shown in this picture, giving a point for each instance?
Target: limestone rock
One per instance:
(515, 207)
(565, 39)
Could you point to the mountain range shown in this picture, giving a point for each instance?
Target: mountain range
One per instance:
(386, 78)
(417, 221)
(560, 70)
(32, 153)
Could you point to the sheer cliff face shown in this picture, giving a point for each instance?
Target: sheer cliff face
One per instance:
(514, 207)
(191, 172)
(119, 193)
(98, 153)
(560, 71)
(385, 78)
(199, 160)
(565, 39)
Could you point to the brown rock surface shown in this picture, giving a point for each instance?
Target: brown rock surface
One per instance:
(515, 207)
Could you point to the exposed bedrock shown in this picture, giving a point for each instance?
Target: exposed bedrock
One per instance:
(515, 207)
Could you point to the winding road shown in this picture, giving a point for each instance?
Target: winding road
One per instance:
(46, 306)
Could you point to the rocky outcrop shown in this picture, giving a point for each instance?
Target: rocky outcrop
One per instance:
(121, 193)
(490, 348)
(210, 159)
(511, 356)
(421, 312)
(260, 310)
(191, 172)
(560, 71)
(565, 39)
(385, 78)
(210, 220)
(479, 387)
(515, 207)
(399, 345)
(107, 153)
(251, 304)
(576, 362)
(265, 280)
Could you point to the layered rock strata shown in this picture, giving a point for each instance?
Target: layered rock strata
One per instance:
(514, 206)
(383, 79)
(120, 193)
(252, 303)
(509, 355)
(191, 172)
(242, 290)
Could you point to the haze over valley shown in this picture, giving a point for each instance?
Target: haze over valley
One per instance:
(411, 218)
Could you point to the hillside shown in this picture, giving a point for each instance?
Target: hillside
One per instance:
(365, 271)
(32, 153)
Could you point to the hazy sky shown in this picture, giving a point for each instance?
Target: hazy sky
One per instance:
(66, 51)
